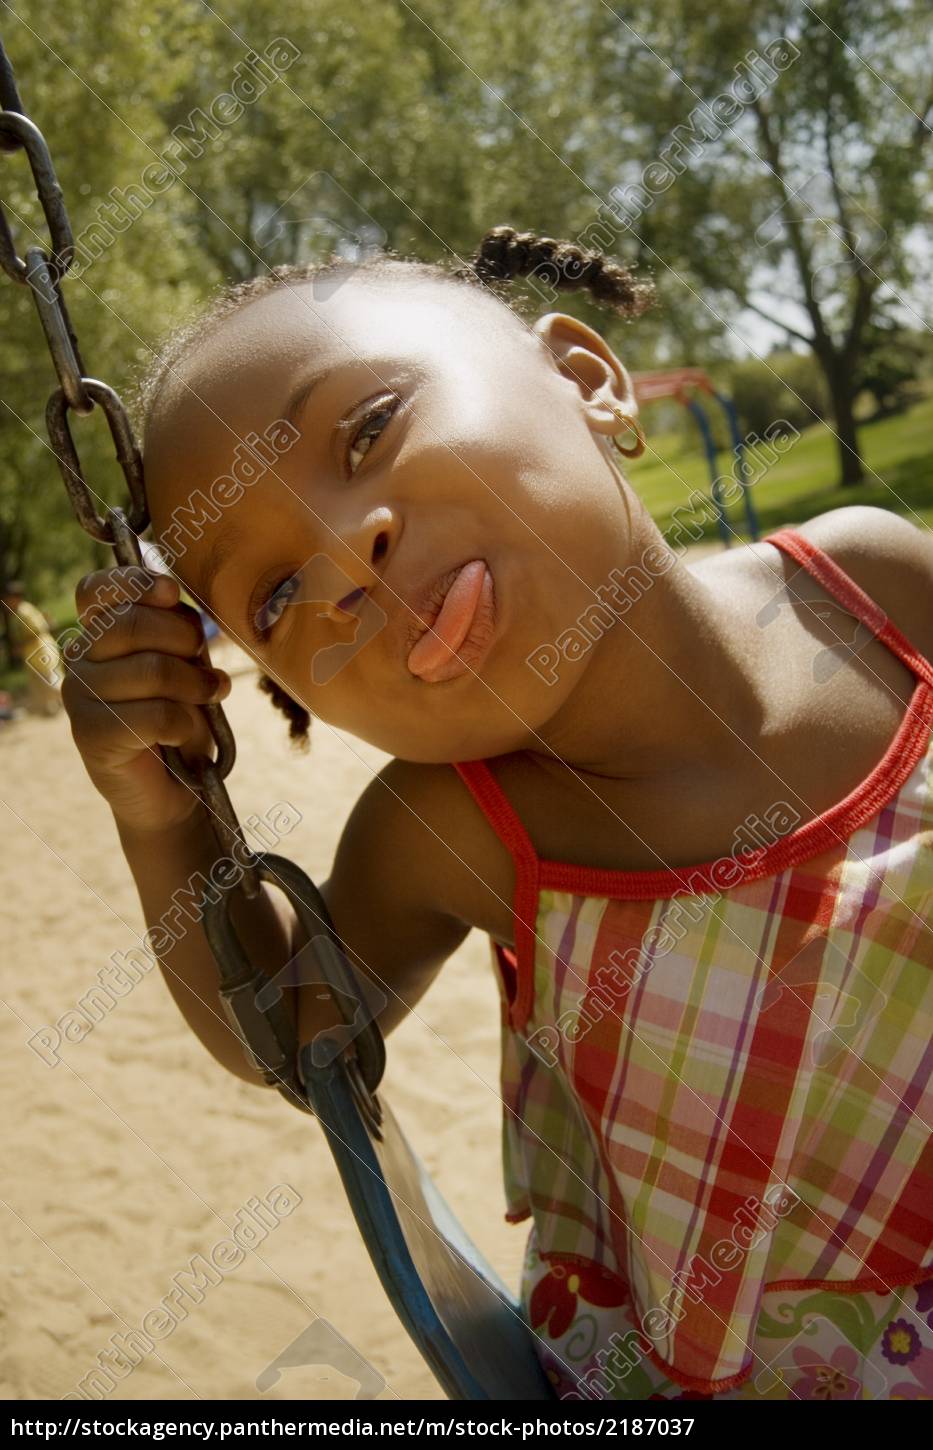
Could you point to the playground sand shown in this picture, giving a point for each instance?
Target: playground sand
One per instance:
(133, 1153)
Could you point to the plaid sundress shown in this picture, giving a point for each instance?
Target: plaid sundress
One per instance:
(717, 1093)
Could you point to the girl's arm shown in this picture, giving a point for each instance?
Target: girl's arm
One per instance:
(378, 895)
(169, 867)
(138, 685)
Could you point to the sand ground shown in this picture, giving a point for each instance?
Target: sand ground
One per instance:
(129, 1151)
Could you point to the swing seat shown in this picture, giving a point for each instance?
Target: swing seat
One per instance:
(466, 1324)
(461, 1316)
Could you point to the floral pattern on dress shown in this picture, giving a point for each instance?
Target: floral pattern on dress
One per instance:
(837, 1380)
(557, 1293)
(809, 1344)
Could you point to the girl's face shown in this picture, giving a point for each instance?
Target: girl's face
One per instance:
(439, 432)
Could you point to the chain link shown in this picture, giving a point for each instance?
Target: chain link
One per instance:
(59, 334)
(82, 395)
(271, 1041)
(18, 131)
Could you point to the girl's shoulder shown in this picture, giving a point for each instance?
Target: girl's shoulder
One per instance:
(888, 556)
(429, 842)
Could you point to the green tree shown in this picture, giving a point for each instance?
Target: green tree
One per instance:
(801, 203)
(99, 107)
(892, 358)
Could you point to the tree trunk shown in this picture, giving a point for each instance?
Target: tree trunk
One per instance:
(842, 396)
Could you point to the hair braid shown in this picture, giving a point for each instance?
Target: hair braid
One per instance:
(504, 253)
(299, 720)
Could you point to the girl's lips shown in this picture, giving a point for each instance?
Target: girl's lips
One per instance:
(463, 629)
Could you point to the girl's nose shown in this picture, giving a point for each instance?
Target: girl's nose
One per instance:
(360, 547)
(368, 541)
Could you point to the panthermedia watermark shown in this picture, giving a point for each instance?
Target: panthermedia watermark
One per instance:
(609, 983)
(626, 585)
(842, 1000)
(318, 1346)
(253, 457)
(612, 601)
(253, 1223)
(315, 968)
(706, 124)
(844, 635)
(318, 219)
(751, 460)
(753, 1221)
(325, 591)
(126, 970)
(252, 76)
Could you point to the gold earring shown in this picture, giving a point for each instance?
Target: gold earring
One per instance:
(636, 449)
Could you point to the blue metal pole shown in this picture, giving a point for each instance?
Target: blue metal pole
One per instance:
(709, 447)
(738, 447)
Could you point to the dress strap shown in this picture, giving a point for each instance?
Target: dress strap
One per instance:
(498, 809)
(851, 597)
(504, 819)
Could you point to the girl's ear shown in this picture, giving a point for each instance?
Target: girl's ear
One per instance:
(590, 366)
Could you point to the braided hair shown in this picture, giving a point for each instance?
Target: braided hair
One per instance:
(502, 256)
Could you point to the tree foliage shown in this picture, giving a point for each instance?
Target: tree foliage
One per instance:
(421, 125)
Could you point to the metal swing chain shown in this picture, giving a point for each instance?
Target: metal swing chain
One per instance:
(268, 1035)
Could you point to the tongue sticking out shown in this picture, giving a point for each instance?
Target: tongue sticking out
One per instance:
(438, 645)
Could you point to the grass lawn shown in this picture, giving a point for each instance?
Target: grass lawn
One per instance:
(898, 455)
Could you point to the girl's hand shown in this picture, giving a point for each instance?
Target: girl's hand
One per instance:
(137, 685)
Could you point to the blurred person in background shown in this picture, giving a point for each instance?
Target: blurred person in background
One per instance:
(31, 643)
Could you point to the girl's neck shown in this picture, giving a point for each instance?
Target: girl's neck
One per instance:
(671, 684)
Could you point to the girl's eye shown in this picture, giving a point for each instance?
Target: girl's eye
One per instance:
(269, 614)
(366, 435)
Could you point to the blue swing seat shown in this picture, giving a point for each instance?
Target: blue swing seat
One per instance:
(466, 1324)
(461, 1316)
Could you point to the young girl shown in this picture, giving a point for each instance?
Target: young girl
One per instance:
(716, 1076)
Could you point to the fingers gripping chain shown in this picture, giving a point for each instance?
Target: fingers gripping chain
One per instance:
(271, 1041)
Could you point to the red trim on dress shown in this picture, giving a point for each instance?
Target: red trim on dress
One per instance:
(854, 599)
(811, 839)
(501, 815)
(720, 1386)
(833, 826)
